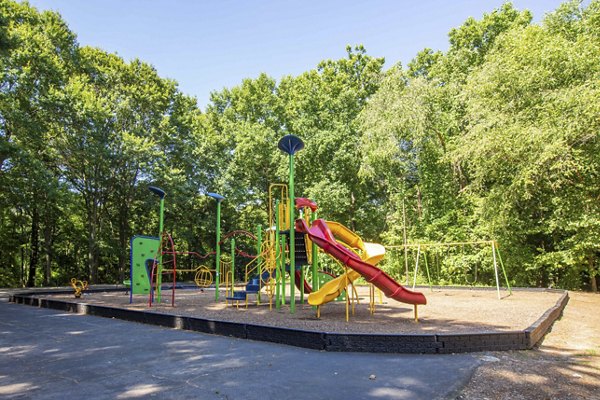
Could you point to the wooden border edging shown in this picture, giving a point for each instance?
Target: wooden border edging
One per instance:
(328, 341)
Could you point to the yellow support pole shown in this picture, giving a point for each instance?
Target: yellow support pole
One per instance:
(370, 300)
(347, 305)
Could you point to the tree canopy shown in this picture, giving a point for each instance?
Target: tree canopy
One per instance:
(495, 138)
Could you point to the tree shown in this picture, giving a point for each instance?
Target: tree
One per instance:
(532, 145)
(247, 118)
(36, 55)
(321, 107)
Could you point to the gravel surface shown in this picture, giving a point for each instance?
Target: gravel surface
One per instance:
(565, 366)
(447, 311)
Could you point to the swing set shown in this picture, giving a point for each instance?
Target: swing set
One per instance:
(422, 250)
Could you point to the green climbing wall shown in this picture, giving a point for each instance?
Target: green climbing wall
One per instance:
(143, 252)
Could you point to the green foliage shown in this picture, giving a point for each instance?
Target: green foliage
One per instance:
(496, 138)
(532, 146)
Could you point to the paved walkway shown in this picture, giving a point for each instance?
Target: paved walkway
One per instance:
(45, 354)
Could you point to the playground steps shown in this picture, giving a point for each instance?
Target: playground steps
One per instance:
(300, 253)
(252, 287)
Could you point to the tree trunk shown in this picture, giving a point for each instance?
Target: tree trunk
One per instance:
(123, 239)
(592, 270)
(93, 244)
(352, 212)
(22, 277)
(419, 203)
(35, 247)
(48, 250)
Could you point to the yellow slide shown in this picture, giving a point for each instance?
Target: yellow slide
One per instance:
(370, 253)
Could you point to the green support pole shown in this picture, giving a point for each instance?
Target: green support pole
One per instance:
(301, 283)
(162, 216)
(292, 240)
(218, 260)
(232, 266)
(301, 268)
(503, 270)
(291, 144)
(161, 194)
(314, 261)
(219, 199)
(259, 259)
(427, 269)
(160, 266)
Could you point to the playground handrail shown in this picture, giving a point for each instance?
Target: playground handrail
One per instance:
(266, 247)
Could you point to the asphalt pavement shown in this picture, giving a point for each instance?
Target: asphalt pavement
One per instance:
(47, 354)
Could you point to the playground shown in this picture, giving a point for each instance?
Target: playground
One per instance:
(355, 306)
(340, 284)
(323, 259)
(318, 278)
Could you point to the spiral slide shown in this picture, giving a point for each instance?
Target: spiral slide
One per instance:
(321, 234)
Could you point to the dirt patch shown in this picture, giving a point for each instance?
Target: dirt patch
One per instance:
(565, 366)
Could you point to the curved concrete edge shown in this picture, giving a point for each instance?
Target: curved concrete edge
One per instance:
(327, 341)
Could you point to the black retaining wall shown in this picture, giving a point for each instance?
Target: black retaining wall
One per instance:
(351, 342)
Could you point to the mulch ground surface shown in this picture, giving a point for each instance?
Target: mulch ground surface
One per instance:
(447, 311)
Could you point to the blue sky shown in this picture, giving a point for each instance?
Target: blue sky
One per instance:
(208, 45)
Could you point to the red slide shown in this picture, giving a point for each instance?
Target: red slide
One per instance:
(320, 234)
(298, 281)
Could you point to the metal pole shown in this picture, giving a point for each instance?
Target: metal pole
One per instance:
(416, 267)
(427, 269)
(496, 269)
(219, 199)
(503, 270)
(159, 256)
(162, 215)
(292, 240)
(301, 269)
(291, 144)
(259, 260)
(315, 260)
(232, 267)
(218, 260)
(282, 241)
(404, 235)
(277, 259)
